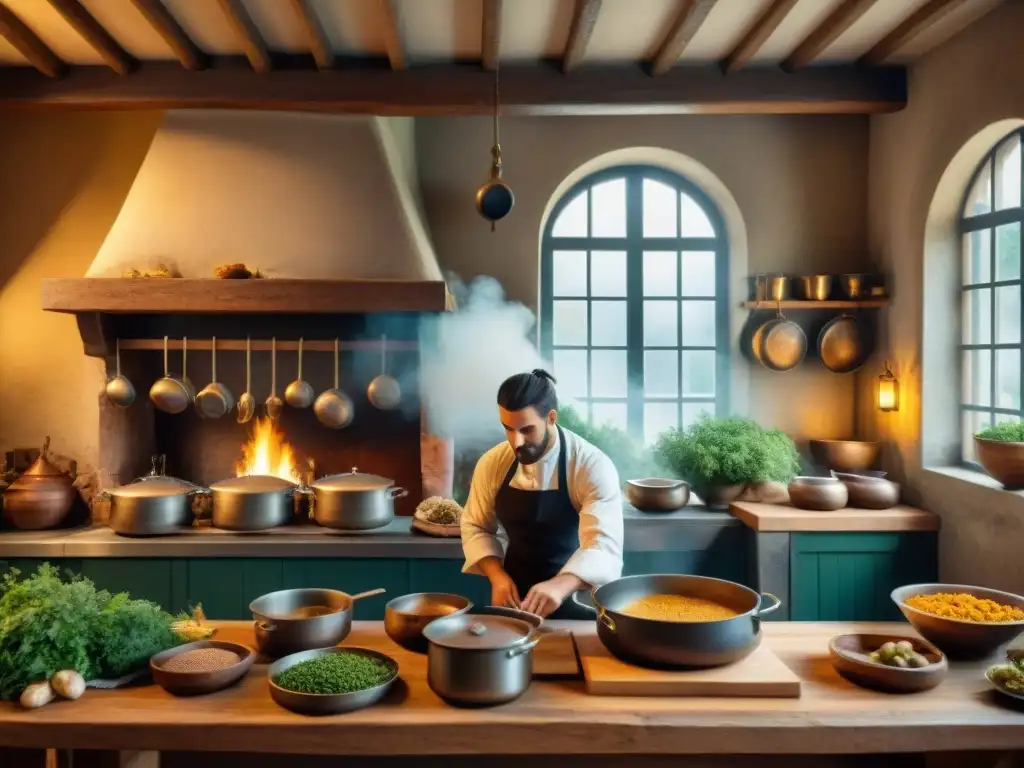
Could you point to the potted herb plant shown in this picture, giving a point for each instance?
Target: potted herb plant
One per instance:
(720, 457)
(1000, 450)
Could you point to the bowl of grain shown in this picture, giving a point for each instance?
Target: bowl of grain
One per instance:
(962, 621)
(201, 667)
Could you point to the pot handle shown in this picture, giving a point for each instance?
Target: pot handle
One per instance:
(263, 626)
(776, 603)
(398, 493)
(594, 607)
(587, 605)
(526, 647)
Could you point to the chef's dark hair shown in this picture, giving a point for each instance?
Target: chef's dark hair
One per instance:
(523, 390)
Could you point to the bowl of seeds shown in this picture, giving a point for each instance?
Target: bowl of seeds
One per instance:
(201, 667)
(328, 681)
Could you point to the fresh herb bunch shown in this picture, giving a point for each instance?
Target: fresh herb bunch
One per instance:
(1005, 432)
(714, 452)
(47, 624)
(629, 456)
(334, 673)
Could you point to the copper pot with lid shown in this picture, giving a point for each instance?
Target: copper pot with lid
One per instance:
(41, 498)
(353, 501)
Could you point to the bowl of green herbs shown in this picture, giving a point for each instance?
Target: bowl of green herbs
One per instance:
(329, 681)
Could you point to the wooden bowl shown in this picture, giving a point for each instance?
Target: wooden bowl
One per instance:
(824, 494)
(871, 492)
(844, 455)
(199, 683)
(1002, 459)
(851, 657)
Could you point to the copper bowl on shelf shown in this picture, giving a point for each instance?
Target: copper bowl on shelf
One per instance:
(1003, 460)
(845, 455)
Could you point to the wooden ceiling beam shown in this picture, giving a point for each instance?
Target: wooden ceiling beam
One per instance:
(757, 34)
(161, 20)
(928, 15)
(392, 34)
(688, 20)
(826, 33)
(316, 38)
(29, 45)
(584, 18)
(248, 35)
(86, 25)
(490, 35)
(468, 90)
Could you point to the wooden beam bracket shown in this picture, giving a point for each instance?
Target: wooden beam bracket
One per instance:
(685, 26)
(29, 45)
(86, 25)
(248, 35)
(584, 19)
(188, 53)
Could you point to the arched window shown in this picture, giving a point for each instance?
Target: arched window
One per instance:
(991, 315)
(634, 311)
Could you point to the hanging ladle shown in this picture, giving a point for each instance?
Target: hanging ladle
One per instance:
(247, 403)
(215, 399)
(168, 393)
(273, 404)
(119, 390)
(334, 408)
(384, 392)
(494, 198)
(299, 394)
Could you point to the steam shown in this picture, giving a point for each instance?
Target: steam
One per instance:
(467, 354)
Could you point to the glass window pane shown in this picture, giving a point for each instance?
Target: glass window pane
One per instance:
(608, 373)
(608, 324)
(693, 411)
(1008, 314)
(1008, 378)
(973, 421)
(1008, 251)
(693, 221)
(612, 414)
(980, 198)
(698, 273)
(977, 377)
(661, 323)
(698, 323)
(608, 215)
(1006, 418)
(661, 373)
(569, 323)
(570, 273)
(607, 273)
(977, 257)
(977, 316)
(572, 221)
(660, 210)
(659, 417)
(698, 373)
(571, 372)
(1008, 174)
(660, 268)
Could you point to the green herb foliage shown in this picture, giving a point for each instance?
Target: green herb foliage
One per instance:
(1009, 676)
(727, 451)
(334, 673)
(1006, 432)
(628, 456)
(48, 624)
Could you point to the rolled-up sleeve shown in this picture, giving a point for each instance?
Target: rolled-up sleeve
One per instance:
(599, 557)
(481, 536)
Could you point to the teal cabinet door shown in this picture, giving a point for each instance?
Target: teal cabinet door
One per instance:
(142, 578)
(849, 576)
(225, 587)
(437, 575)
(25, 566)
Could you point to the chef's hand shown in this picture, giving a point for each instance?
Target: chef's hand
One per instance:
(544, 599)
(503, 590)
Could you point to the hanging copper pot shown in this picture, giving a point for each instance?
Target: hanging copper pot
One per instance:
(41, 498)
(494, 198)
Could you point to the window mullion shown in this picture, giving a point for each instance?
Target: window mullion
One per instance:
(634, 305)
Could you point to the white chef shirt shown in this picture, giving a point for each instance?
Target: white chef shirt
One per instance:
(594, 492)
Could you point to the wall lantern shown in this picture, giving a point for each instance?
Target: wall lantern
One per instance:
(888, 391)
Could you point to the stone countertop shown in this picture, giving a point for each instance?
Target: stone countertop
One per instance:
(692, 528)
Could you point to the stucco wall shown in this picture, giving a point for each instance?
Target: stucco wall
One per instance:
(800, 184)
(960, 94)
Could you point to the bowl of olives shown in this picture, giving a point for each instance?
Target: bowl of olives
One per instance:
(890, 664)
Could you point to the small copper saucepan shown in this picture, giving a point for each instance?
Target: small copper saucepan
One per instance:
(779, 344)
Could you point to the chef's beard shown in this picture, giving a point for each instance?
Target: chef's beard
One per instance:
(531, 453)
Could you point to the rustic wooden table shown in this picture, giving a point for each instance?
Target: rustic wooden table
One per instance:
(831, 718)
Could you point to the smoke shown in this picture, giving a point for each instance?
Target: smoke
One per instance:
(466, 355)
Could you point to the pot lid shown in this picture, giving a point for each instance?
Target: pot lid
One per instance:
(252, 484)
(354, 481)
(42, 465)
(152, 487)
(478, 632)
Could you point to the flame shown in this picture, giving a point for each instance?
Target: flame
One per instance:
(267, 453)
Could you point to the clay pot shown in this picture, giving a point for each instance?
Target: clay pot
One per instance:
(41, 498)
(1002, 459)
(871, 492)
(824, 494)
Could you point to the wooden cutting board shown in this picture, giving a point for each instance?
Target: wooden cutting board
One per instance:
(555, 656)
(761, 675)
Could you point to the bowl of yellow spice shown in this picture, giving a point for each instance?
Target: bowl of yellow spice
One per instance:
(964, 622)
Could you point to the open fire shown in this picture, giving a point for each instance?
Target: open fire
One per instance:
(267, 453)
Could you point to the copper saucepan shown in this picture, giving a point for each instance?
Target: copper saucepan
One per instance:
(779, 344)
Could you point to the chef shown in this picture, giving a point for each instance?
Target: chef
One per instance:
(544, 515)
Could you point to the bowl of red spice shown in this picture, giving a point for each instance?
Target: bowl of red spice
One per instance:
(201, 667)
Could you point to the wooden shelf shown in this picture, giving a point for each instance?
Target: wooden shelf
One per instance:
(212, 296)
(837, 304)
(787, 518)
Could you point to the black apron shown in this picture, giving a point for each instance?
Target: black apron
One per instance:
(543, 529)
